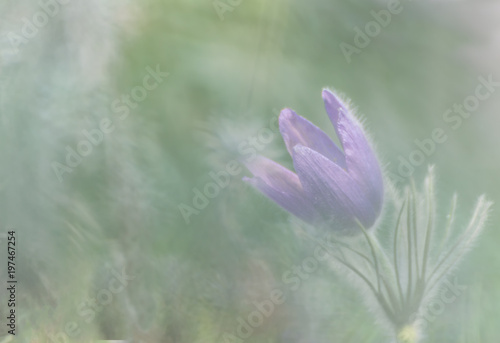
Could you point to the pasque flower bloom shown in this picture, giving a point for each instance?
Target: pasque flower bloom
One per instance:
(330, 185)
(342, 188)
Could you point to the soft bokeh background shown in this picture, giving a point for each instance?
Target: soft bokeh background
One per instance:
(229, 76)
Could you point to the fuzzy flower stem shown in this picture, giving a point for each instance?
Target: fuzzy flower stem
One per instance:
(382, 301)
(396, 268)
(373, 253)
(451, 219)
(430, 224)
(344, 245)
(474, 226)
(408, 237)
(460, 240)
(392, 299)
(414, 227)
(387, 268)
(378, 295)
(388, 289)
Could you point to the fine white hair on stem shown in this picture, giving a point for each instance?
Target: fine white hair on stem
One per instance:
(462, 244)
(399, 278)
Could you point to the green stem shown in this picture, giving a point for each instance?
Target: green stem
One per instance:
(430, 224)
(410, 264)
(398, 280)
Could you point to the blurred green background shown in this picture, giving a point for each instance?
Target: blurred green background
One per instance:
(233, 65)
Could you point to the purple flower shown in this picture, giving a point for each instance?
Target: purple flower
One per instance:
(331, 185)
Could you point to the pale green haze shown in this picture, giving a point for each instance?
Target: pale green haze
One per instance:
(125, 126)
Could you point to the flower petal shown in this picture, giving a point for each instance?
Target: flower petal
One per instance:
(361, 161)
(336, 195)
(298, 130)
(282, 186)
